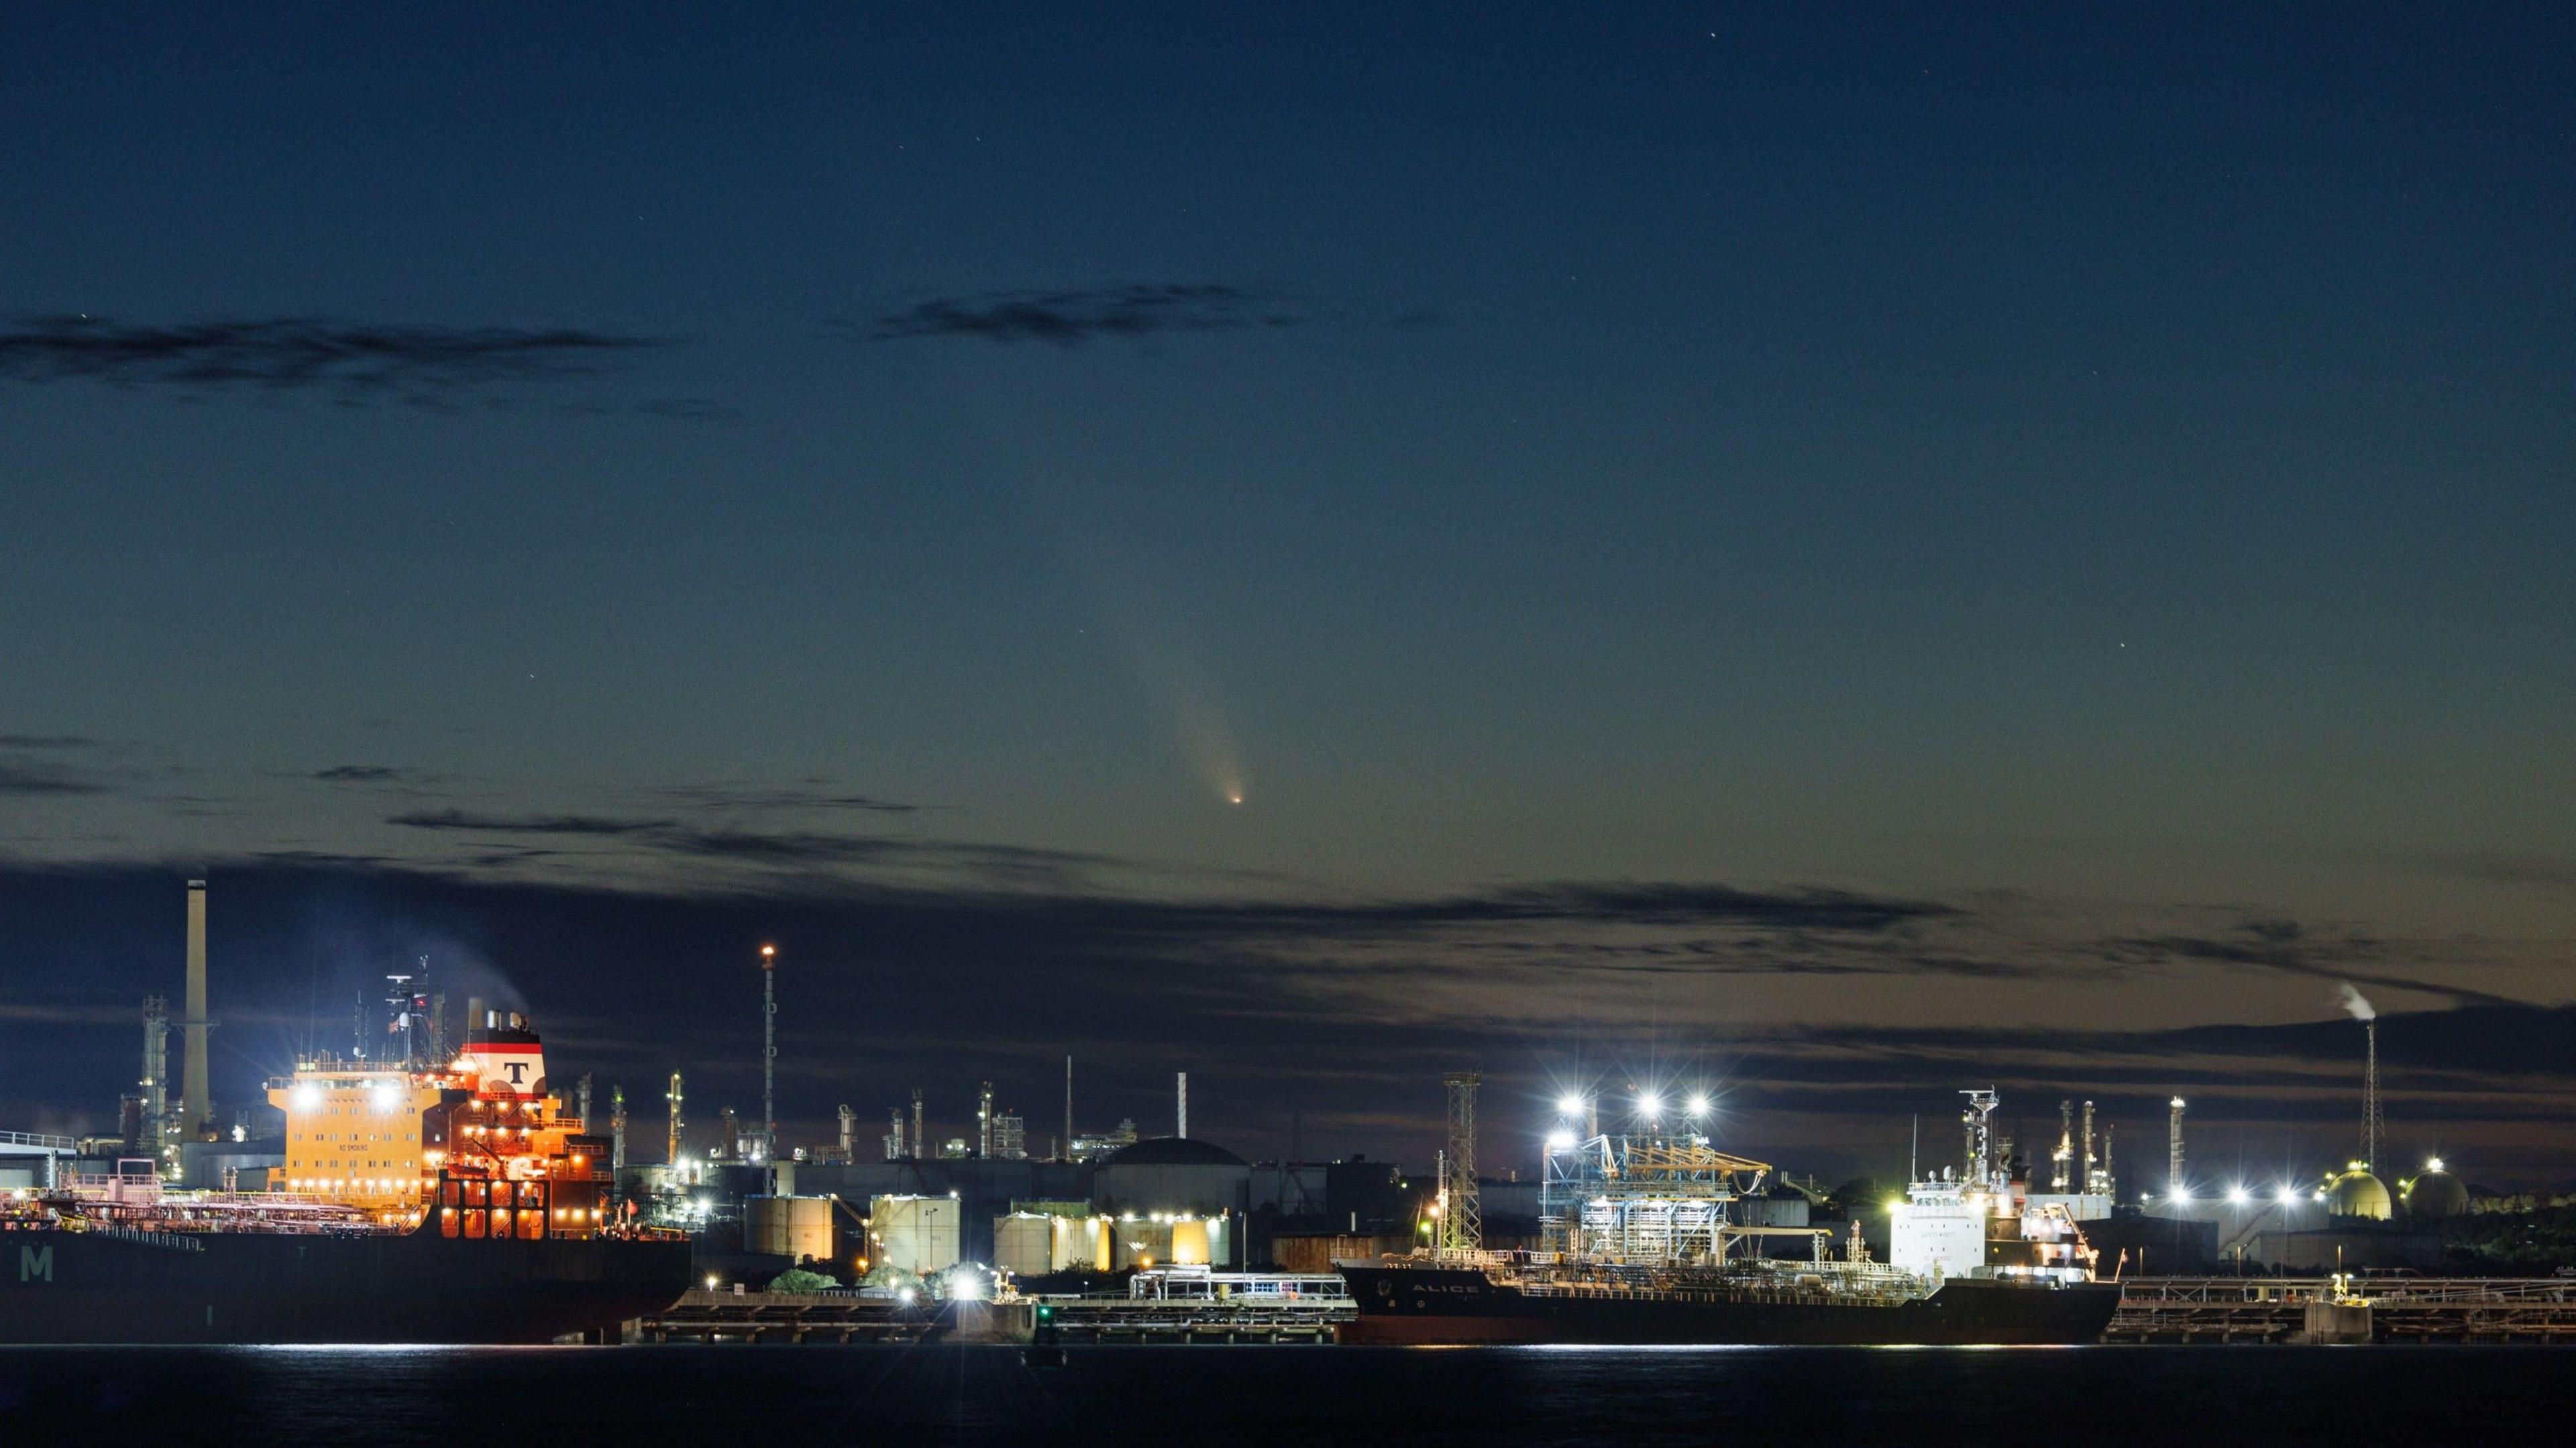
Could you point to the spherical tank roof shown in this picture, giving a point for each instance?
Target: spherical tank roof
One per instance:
(2357, 1193)
(2437, 1194)
(1173, 1151)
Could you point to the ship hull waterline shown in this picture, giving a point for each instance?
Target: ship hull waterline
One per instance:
(1462, 1307)
(282, 1288)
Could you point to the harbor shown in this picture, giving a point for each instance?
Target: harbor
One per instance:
(449, 1152)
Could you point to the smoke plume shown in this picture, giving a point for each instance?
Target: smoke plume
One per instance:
(2357, 1004)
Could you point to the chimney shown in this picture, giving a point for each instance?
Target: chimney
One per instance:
(1182, 1125)
(196, 1101)
(2173, 1153)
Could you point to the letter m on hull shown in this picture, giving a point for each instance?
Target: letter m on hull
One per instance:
(35, 1263)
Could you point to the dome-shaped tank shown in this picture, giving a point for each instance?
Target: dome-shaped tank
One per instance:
(2436, 1194)
(2356, 1193)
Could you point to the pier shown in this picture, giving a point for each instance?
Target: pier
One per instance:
(2345, 1309)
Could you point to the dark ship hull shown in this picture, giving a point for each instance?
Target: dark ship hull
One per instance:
(261, 1287)
(1448, 1305)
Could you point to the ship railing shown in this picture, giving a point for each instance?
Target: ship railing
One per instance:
(168, 1241)
(2386, 1290)
(38, 1140)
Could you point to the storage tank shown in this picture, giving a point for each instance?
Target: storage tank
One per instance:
(1082, 1244)
(2356, 1192)
(918, 1234)
(792, 1227)
(2436, 1195)
(1024, 1244)
(1173, 1178)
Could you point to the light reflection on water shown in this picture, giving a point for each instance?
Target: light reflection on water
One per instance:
(1233, 1397)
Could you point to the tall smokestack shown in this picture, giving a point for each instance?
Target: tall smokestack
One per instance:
(616, 1132)
(196, 1101)
(769, 1053)
(2059, 1160)
(849, 1133)
(1068, 1108)
(984, 1123)
(2371, 1121)
(920, 1142)
(2174, 1189)
(1181, 1126)
(2092, 1173)
(679, 1123)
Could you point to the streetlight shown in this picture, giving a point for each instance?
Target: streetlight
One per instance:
(1569, 1105)
(1698, 1105)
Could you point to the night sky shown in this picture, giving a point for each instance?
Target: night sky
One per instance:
(1833, 558)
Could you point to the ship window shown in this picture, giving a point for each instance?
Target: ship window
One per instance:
(474, 1194)
(474, 1224)
(500, 1222)
(448, 1192)
(532, 1226)
(447, 1222)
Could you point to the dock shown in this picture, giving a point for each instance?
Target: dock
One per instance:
(2351, 1309)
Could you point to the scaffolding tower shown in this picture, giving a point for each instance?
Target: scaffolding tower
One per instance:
(1653, 1199)
(1462, 1215)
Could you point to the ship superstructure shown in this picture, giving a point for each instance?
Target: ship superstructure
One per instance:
(1979, 1221)
(480, 1143)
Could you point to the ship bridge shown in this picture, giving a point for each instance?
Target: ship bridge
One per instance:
(36, 1157)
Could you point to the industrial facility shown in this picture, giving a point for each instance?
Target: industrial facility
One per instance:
(926, 1212)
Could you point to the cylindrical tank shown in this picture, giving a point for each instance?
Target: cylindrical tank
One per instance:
(1024, 1244)
(918, 1234)
(1082, 1244)
(792, 1227)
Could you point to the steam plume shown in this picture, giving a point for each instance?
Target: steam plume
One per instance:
(2357, 1004)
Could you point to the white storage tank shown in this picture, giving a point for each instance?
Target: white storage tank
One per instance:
(918, 1234)
(792, 1227)
(1083, 1244)
(1024, 1244)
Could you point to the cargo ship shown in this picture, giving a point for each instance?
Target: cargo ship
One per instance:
(1646, 1239)
(455, 1204)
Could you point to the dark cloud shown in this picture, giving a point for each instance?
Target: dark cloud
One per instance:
(28, 779)
(732, 797)
(456, 819)
(372, 774)
(1070, 318)
(1018, 865)
(355, 361)
(2287, 947)
(1275, 1009)
(46, 741)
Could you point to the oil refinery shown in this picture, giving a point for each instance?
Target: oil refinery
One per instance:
(438, 1134)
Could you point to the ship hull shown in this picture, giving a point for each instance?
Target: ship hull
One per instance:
(248, 1287)
(1455, 1306)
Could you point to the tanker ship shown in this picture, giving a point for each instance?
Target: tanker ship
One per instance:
(1644, 1243)
(459, 1204)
